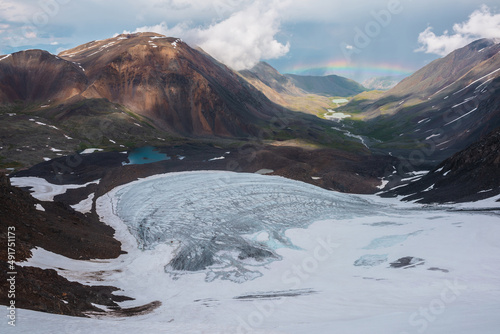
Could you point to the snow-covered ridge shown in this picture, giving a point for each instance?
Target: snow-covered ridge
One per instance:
(174, 43)
(5, 57)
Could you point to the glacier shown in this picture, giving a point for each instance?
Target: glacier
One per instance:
(248, 253)
(214, 214)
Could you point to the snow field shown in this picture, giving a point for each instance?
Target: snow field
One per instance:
(315, 285)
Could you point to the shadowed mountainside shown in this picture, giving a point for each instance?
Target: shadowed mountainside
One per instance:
(438, 111)
(469, 175)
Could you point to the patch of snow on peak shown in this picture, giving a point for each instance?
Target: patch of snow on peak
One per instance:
(430, 188)
(85, 206)
(383, 184)
(217, 158)
(91, 150)
(470, 112)
(432, 136)
(174, 43)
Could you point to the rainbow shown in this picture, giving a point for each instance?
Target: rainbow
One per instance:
(344, 67)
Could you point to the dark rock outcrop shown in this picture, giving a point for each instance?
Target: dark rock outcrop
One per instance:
(470, 175)
(58, 229)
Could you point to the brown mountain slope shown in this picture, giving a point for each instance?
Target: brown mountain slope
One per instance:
(180, 90)
(38, 76)
(133, 90)
(445, 71)
(183, 90)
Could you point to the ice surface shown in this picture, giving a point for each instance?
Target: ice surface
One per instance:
(389, 240)
(371, 260)
(313, 285)
(210, 213)
(265, 171)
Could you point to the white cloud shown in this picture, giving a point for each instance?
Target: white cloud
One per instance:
(16, 11)
(239, 41)
(482, 23)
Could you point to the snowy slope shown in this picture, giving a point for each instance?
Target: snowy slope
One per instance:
(330, 272)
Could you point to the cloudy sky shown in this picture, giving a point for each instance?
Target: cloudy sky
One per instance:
(358, 38)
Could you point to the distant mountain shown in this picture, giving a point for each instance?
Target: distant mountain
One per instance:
(383, 83)
(273, 84)
(162, 79)
(310, 95)
(469, 175)
(291, 84)
(271, 78)
(438, 111)
(330, 85)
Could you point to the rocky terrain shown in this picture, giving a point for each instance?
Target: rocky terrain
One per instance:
(469, 175)
(55, 227)
(439, 110)
(146, 89)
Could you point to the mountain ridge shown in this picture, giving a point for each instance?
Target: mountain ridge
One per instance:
(202, 98)
(440, 109)
(469, 175)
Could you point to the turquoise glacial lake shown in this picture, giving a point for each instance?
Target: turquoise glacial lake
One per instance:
(145, 155)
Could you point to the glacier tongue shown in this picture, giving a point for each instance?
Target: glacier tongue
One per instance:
(214, 216)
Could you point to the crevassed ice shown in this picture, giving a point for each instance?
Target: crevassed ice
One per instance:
(228, 224)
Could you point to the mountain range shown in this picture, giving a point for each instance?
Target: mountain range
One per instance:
(383, 83)
(145, 88)
(162, 80)
(439, 110)
(432, 138)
